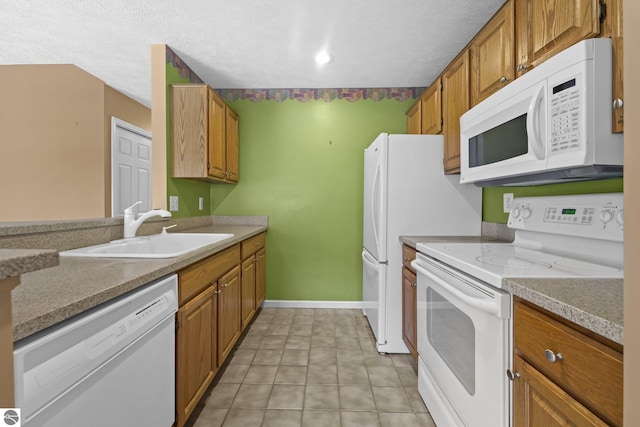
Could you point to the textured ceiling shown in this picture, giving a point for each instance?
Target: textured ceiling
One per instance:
(245, 43)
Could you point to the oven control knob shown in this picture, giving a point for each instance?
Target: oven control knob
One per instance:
(526, 213)
(606, 216)
(620, 217)
(515, 213)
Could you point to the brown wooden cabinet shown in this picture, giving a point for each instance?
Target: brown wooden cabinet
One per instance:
(455, 102)
(248, 294)
(618, 66)
(546, 27)
(196, 350)
(229, 312)
(409, 301)
(414, 117)
(492, 55)
(204, 134)
(431, 106)
(261, 276)
(564, 375)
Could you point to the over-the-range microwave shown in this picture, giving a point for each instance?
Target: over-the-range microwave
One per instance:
(553, 124)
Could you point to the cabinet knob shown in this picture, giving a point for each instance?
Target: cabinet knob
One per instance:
(504, 79)
(552, 357)
(513, 375)
(618, 103)
(521, 67)
(224, 285)
(216, 292)
(405, 259)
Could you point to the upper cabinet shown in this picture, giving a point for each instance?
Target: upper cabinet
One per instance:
(431, 102)
(204, 135)
(455, 102)
(414, 118)
(546, 27)
(492, 54)
(618, 66)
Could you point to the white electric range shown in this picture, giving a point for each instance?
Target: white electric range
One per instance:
(464, 315)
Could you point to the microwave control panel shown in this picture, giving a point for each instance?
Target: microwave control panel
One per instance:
(565, 117)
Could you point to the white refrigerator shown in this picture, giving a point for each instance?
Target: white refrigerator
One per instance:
(406, 193)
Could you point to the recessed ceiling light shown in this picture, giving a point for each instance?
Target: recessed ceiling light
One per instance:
(323, 57)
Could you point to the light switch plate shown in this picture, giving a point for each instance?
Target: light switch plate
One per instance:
(507, 202)
(201, 203)
(173, 203)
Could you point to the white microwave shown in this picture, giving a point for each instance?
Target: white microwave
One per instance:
(553, 124)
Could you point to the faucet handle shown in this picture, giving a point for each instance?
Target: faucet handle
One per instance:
(129, 210)
(164, 229)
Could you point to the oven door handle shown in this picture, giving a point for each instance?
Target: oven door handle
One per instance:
(491, 307)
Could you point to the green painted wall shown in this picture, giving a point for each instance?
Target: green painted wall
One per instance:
(492, 196)
(302, 165)
(187, 190)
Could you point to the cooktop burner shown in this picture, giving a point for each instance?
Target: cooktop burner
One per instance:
(511, 261)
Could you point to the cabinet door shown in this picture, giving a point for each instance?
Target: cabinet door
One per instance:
(228, 312)
(248, 290)
(189, 131)
(554, 25)
(537, 401)
(455, 100)
(431, 102)
(261, 276)
(618, 66)
(196, 361)
(232, 144)
(492, 54)
(217, 134)
(414, 119)
(409, 311)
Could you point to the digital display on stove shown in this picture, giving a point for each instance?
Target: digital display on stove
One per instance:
(568, 211)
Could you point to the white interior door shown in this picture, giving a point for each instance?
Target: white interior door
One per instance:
(130, 167)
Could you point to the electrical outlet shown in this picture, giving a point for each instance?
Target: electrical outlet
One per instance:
(173, 203)
(507, 202)
(201, 203)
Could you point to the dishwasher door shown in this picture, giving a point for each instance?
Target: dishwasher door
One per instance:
(112, 366)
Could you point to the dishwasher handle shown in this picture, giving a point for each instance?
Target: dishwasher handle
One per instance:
(492, 304)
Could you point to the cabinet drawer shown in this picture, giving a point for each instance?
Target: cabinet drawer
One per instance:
(590, 371)
(196, 277)
(252, 245)
(408, 255)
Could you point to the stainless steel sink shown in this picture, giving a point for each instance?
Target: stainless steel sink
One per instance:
(164, 245)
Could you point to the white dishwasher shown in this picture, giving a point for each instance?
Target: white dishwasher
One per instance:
(114, 365)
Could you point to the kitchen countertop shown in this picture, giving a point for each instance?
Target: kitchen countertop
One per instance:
(47, 297)
(595, 304)
(15, 262)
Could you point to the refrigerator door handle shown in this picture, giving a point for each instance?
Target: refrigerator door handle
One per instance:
(369, 260)
(374, 211)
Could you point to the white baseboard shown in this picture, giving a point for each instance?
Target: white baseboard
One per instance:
(312, 304)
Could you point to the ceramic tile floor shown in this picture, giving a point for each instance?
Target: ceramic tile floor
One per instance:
(312, 367)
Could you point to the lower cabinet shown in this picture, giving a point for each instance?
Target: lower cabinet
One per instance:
(229, 326)
(197, 361)
(409, 302)
(218, 297)
(563, 375)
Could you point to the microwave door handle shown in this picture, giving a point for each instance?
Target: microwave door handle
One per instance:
(491, 307)
(533, 123)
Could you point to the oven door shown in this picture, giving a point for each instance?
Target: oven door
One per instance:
(464, 347)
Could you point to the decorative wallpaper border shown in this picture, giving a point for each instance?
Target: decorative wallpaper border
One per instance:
(302, 95)
(328, 95)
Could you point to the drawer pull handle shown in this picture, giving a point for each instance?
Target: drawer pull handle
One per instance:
(552, 357)
(513, 375)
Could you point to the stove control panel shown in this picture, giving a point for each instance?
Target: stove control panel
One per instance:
(599, 216)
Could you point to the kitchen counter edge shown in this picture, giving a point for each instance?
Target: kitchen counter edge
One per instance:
(53, 295)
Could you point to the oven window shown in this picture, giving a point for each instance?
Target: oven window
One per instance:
(452, 335)
(500, 143)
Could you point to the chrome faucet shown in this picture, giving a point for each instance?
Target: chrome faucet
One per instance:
(131, 224)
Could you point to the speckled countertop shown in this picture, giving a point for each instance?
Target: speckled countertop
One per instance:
(47, 297)
(15, 262)
(595, 304)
